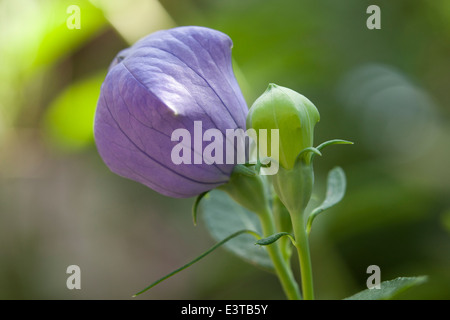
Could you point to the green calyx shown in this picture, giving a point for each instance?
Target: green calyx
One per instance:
(246, 189)
(294, 186)
(292, 114)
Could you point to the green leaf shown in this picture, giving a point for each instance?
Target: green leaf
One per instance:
(222, 216)
(389, 289)
(336, 184)
(273, 238)
(204, 254)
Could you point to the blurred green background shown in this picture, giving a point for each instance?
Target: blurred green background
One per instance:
(387, 90)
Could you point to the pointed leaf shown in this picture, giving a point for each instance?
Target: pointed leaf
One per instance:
(204, 254)
(388, 289)
(222, 216)
(336, 184)
(273, 238)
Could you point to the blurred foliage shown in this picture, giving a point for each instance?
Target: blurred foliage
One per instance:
(70, 117)
(386, 90)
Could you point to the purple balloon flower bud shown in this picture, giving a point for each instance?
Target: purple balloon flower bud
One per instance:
(164, 82)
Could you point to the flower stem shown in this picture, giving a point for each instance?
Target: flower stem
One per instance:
(302, 245)
(282, 267)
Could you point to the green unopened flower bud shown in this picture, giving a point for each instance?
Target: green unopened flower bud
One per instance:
(289, 112)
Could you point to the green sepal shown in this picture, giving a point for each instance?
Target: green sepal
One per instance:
(303, 154)
(204, 254)
(259, 164)
(247, 190)
(244, 170)
(294, 187)
(329, 143)
(274, 237)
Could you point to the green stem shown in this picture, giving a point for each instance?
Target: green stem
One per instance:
(302, 245)
(282, 267)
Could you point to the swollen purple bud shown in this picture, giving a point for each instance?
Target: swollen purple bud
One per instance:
(169, 80)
